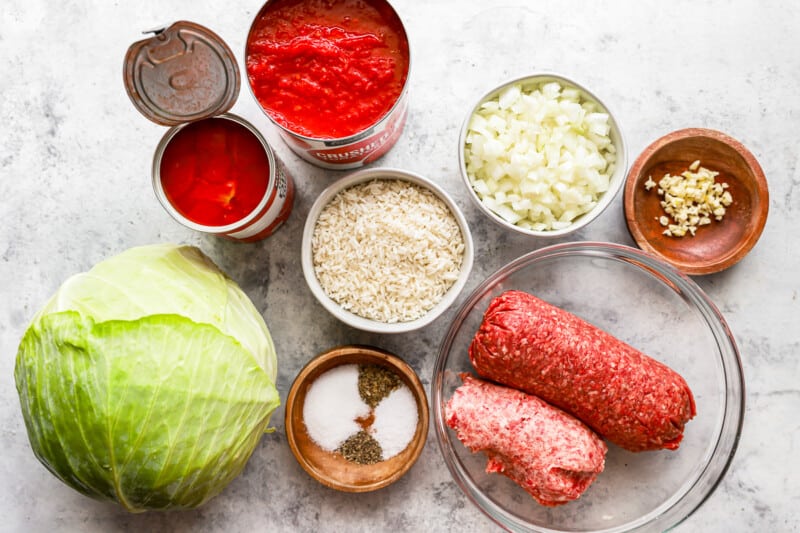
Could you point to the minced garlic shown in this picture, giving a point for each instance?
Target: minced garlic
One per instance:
(691, 199)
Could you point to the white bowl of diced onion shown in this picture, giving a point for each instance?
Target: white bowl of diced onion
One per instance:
(541, 155)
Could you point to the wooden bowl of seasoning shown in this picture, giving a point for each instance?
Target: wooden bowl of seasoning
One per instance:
(356, 418)
(697, 199)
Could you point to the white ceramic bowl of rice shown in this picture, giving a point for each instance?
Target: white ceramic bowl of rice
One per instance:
(541, 155)
(386, 250)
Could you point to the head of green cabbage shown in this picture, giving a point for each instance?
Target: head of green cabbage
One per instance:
(147, 380)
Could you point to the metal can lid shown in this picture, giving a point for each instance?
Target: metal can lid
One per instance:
(182, 73)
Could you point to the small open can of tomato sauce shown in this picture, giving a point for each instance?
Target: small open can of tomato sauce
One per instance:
(332, 75)
(212, 171)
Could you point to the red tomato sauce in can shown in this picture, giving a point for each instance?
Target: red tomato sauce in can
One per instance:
(327, 69)
(219, 176)
(214, 172)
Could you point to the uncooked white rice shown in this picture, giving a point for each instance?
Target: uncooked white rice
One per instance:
(387, 250)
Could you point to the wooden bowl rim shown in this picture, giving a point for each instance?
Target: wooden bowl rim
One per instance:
(744, 246)
(328, 360)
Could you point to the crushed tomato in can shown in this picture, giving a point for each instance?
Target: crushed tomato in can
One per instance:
(332, 76)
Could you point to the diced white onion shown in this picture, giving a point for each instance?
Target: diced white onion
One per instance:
(539, 156)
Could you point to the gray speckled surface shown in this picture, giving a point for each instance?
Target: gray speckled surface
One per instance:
(75, 159)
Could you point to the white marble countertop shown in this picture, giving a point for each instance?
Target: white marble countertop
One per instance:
(75, 188)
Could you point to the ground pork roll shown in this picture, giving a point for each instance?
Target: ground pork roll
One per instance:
(628, 398)
(544, 450)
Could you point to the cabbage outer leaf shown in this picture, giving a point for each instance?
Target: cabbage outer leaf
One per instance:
(156, 412)
(167, 279)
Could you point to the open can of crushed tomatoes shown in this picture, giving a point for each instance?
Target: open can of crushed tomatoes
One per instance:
(332, 76)
(212, 171)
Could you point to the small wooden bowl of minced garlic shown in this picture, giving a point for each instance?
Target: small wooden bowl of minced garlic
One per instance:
(697, 199)
(356, 418)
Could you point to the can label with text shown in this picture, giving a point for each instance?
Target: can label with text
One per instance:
(355, 151)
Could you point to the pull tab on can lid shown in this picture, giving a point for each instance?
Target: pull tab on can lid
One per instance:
(184, 72)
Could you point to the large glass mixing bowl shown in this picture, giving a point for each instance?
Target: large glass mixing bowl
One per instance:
(652, 306)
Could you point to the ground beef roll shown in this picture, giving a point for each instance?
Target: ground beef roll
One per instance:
(628, 398)
(544, 450)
